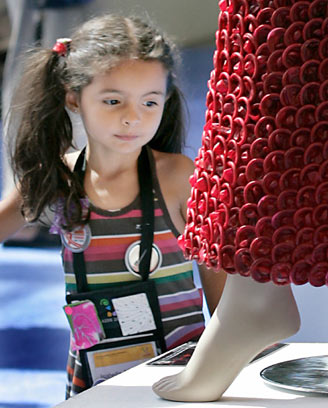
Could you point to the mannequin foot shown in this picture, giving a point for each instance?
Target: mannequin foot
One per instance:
(250, 317)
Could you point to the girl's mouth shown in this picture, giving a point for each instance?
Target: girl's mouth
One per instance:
(126, 137)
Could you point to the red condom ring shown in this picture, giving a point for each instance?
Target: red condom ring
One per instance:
(226, 256)
(243, 261)
(287, 200)
(305, 236)
(236, 85)
(275, 39)
(261, 33)
(321, 235)
(280, 273)
(303, 252)
(236, 43)
(306, 197)
(275, 161)
(291, 76)
(233, 152)
(271, 183)
(284, 234)
(310, 49)
(318, 273)
(318, 8)
(320, 215)
(245, 235)
(248, 214)
(279, 139)
(254, 169)
(275, 63)
(291, 55)
(309, 71)
(239, 196)
(299, 272)
(262, 54)
(284, 217)
(310, 94)
(249, 88)
(285, 118)
(321, 113)
(314, 153)
(300, 137)
(310, 174)
(253, 192)
(251, 23)
(264, 227)
(320, 253)
(238, 24)
(294, 33)
(280, 17)
(223, 83)
(282, 253)
(294, 158)
(290, 95)
(264, 127)
(259, 148)
(312, 29)
(299, 11)
(249, 43)
(264, 15)
(261, 248)
(251, 65)
(237, 63)
(305, 116)
(270, 104)
(303, 217)
(290, 179)
(261, 270)
(267, 206)
(272, 82)
(319, 132)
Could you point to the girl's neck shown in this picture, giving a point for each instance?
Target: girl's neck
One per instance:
(110, 164)
(111, 180)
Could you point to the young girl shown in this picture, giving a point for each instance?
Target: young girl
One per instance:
(119, 75)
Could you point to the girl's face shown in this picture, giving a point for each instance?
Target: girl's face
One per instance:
(122, 109)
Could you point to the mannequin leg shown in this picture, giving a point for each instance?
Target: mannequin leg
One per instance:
(250, 317)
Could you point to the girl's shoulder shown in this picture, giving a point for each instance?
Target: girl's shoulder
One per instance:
(172, 160)
(176, 164)
(174, 168)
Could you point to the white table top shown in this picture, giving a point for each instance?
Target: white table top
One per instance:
(133, 387)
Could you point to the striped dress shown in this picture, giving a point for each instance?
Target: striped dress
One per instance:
(112, 233)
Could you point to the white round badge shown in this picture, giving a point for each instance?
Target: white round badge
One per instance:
(78, 239)
(132, 259)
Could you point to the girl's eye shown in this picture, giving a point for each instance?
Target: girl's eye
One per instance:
(111, 101)
(150, 103)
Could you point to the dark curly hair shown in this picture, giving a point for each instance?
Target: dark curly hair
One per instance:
(40, 128)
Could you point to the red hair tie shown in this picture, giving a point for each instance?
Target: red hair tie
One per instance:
(61, 46)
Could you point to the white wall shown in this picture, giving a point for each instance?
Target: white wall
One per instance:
(189, 22)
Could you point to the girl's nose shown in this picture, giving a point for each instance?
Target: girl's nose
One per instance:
(131, 117)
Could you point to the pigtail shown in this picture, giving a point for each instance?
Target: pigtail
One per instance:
(171, 134)
(42, 131)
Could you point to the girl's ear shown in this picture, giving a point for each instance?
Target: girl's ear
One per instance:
(72, 101)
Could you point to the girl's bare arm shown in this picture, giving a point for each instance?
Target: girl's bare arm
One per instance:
(11, 219)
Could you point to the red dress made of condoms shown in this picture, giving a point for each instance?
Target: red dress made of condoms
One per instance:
(259, 197)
